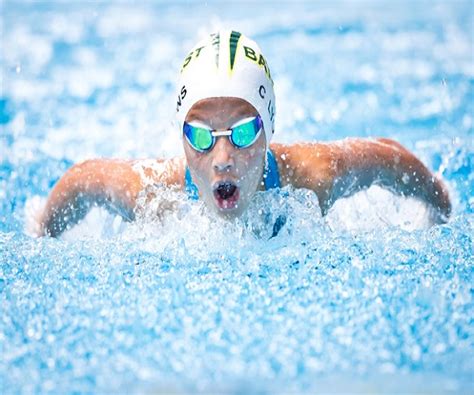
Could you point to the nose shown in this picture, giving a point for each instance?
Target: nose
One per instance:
(223, 159)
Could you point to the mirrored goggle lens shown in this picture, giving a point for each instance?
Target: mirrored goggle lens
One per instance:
(199, 138)
(245, 134)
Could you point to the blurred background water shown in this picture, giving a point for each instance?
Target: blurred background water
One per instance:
(352, 302)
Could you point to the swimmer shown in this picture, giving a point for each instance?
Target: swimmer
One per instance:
(225, 108)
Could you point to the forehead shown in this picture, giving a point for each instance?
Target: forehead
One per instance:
(220, 112)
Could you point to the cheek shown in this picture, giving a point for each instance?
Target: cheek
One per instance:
(255, 156)
(252, 168)
(253, 164)
(199, 167)
(193, 159)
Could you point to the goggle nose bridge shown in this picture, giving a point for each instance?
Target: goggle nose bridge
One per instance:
(218, 133)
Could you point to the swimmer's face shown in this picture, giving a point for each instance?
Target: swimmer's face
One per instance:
(227, 177)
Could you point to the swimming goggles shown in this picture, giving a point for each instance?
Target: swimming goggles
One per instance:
(243, 134)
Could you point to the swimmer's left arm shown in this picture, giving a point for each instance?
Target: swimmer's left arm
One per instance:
(387, 163)
(339, 169)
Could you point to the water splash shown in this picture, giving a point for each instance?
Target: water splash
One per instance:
(185, 301)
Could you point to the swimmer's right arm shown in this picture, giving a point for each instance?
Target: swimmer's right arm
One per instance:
(105, 182)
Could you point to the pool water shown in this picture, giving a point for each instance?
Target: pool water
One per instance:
(369, 298)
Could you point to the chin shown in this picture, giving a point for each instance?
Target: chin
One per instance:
(226, 209)
(228, 212)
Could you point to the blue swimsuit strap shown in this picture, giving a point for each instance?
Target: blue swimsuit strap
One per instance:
(271, 177)
(189, 186)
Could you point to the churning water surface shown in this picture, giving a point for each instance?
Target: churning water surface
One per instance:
(369, 298)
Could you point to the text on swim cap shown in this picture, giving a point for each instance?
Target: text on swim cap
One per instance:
(181, 96)
(188, 58)
(260, 60)
(271, 108)
(250, 54)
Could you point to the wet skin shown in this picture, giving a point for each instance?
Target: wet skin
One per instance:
(225, 163)
(332, 170)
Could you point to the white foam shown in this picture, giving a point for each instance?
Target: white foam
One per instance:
(32, 212)
(97, 224)
(164, 216)
(378, 208)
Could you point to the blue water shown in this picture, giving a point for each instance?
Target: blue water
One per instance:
(369, 298)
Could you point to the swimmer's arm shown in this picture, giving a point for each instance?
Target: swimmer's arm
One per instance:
(364, 162)
(109, 183)
(339, 169)
(387, 163)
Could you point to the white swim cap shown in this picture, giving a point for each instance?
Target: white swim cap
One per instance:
(227, 64)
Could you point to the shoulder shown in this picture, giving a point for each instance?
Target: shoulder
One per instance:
(303, 163)
(303, 150)
(134, 174)
(160, 171)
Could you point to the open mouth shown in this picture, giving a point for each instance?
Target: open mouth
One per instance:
(226, 194)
